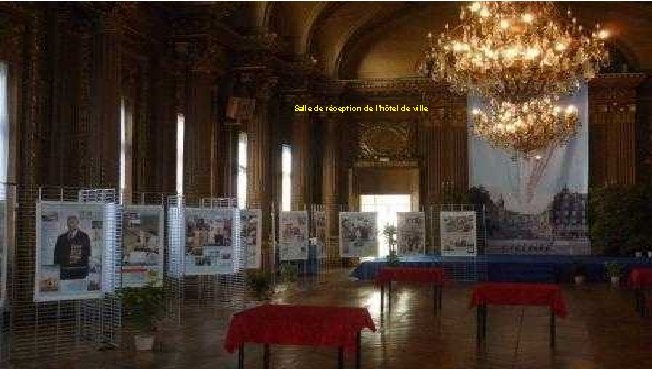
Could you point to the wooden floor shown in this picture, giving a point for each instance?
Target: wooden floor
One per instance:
(602, 331)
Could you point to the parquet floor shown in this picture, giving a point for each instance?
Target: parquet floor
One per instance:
(602, 331)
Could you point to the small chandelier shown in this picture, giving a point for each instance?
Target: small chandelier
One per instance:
(526, 127)
(515, 51)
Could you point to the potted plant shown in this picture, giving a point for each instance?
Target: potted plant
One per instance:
(389, 231)
(614, 271)
(144, 308)
(259, 284)
(579, 274)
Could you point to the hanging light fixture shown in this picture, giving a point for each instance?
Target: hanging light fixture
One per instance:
(515, 51)
(518, 57)
(526, 127)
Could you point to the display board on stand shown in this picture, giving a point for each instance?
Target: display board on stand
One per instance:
(251, 236)
(293, 235)
(358, 234)
(411, 233)
(458, 233)
(143, 246)
(319, 232)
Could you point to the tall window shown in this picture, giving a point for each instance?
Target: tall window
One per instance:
(126, 141)
(286, 178)
(4, 123)
(181, 120)
(242, 170)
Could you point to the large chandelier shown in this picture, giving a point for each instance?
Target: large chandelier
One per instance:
(515, 51)
(527, 127)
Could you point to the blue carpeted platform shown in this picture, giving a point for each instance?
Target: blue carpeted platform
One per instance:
(511, 268)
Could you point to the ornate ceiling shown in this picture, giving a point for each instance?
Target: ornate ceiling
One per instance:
(352, 40)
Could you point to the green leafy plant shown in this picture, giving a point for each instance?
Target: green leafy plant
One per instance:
(613, 269)
(144, 307)
(620, 218)
(389, 231)
(259, 283)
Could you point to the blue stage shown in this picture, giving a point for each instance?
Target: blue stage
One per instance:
(511, 268)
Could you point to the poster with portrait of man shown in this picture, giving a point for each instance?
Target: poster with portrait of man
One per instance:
(319, 224)
(457, 229)
(209, 235)
(70, 239)
(411, 233)
(142, 240)
(358, 234)
(293, 235)
(3, 251)
(250, 236)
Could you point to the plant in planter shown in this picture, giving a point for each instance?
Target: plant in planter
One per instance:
(144, 308)
(390, 233)
(259, 284)
(614, 271)
(578, 274)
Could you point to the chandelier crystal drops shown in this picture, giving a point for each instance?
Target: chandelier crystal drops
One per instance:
(528, 127)
(515, 51)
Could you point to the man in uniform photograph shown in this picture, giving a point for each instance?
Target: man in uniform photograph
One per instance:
(72, 251)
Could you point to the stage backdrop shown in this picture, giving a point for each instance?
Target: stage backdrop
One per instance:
(538, 204)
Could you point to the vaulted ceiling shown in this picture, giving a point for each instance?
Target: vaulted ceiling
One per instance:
(357, 40)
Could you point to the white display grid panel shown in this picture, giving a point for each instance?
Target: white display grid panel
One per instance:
(63, 327)
(217, 287)
(7, 206)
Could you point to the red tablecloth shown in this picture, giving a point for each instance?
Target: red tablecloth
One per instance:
(417, 275)
(298, 325)
(520, 294)
(640, 278)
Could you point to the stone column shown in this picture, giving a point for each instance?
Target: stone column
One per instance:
(301, 157)
(612, 125)
(105, 167)
(330, 184)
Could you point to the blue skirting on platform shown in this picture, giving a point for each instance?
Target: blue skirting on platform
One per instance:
(512, 268)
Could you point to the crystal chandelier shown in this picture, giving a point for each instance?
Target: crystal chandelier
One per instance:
(515, 51)
(526, 127)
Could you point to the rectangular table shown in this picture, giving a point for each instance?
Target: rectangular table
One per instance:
(433, 276)
(640, 279)
(298, 325)
(522, 294)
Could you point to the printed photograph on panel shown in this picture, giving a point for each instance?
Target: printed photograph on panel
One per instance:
(358, 234)
(142, 238)
(70, 238)
(209, 241)
(293, 235)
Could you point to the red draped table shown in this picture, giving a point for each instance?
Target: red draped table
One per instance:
(640, 279)
(298, 325)
(522, 294)
(430, 276)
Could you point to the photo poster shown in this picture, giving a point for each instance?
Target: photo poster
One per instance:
(209, 236)
(250, 236)
(457, 229)
(142, 240)
(411, 233)
(319, 224)
(70, 248)
(358, 234)
(3, 252)
(293, 235)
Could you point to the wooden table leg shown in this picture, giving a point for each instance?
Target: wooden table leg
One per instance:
(358, 351)
(340, 357)
(389, 296)
(637, 299)
(435, 299)
(481, 324)
(266, 356)
(382, 299)
(553, 329)
(440, 291)
(241, 356)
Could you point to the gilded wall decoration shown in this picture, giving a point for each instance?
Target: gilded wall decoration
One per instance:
(392, 140)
